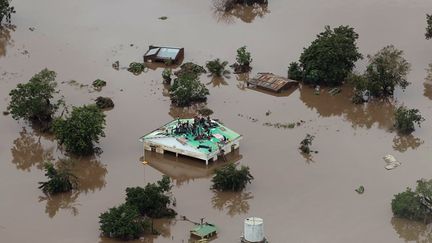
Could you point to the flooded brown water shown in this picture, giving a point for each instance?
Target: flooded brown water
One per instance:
(300, 200)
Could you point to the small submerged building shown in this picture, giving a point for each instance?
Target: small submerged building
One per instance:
(173, 55)
(200, 138)
(271, 82)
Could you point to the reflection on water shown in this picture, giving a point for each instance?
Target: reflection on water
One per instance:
(217, 81)
(91, 177)
(233, 202)
(28, 151)
(364, 116)
(402, 143)
(245, 13)
(184, 169)
(242, 79)
(186, 112)
(412, 231)
(5, 38)
(428, 83)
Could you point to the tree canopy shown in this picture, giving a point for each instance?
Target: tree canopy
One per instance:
(429, 26)
(81, 129)
(186, 89)
(217, 67)
(60, 180)
(405, 119)
(229, 178)
(123, 222)
(34, 101)
(6, 10)
(330, 57)
(415, 205)
(153, 200)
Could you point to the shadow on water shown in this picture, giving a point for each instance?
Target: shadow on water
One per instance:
(242, 79)
(234, 203)
(184, 169)
(28, 151)
(245, 13)
(412, 231)
(187, 111)
(91, 177)
(428, 83)
(340, 105)
(402, 143)
(5, 38)
(217, 82)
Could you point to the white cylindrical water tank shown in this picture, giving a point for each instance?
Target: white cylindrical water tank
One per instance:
(254, 229)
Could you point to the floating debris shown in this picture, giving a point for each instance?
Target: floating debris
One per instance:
(104, 102)
(163, 18)
(391, 162)
(116, 65)
(334, 91)
(289, 125)
(317, 90)
(98, 84)
(32, 28)
(360, 190)
(5, 113)
(305, 143)
(268, 113)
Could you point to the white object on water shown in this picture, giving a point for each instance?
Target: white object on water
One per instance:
(254, 229)
(391, 162)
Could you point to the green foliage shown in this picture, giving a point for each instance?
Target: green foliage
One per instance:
(295, 72)
(415, 205)
(104, 102)
(186, 89)
(331, 57)
(217, 68)
(83, 127)
(123, 222)
(60, 180)
(229, 178)
(190, 69)
(152, 200)
(99, 83)
(386, 69)
(33, 101)
(405, 119)
(306, 143)
(6, 10)
(429, 26)
(244, 57)
(166, 75)
(136, 68)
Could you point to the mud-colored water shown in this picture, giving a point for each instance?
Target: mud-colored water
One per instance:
(300, 200)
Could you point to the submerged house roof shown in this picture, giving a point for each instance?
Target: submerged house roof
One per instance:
(164, 54)
(271, 82)
(170, 139)
(205, 230)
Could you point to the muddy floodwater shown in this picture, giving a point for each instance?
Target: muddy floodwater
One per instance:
(300, 199)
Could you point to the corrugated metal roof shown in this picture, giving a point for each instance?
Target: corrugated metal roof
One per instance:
(204, 230)
(270, 81)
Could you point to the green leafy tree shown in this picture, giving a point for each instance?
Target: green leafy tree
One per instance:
(386, 70)
(166, 75)
(81, 129)
(190, 69)
(6, 10)
(34, 101)
(405, 119)
(123, 222)
(60, 180)
(244, 59)
(217, 68)
(229, 178)
(415, 205)
(295, 72)
(186, 89)
(152, 200)
(429, 26)
(331, 57)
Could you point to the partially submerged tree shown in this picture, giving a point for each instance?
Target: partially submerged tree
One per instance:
(405, 119)
(190, 69)
(295, 72)
(187, 89)
(429, 26)
(34, 101)
(98, 84)
(60, 180)
(217, 67)
(414, 205)
(136, 68)
(104, 102)
(229, 178)
(166, 75)
(244, 59)
(153, 200)
(123, 222)
(331, 57)
(6, 10)
(81, 129)
(306, 143)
